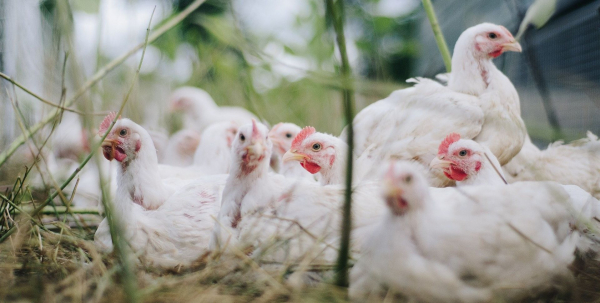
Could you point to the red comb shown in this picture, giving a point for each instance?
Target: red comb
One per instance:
(451, 138)
(305, 132)
(106, 122)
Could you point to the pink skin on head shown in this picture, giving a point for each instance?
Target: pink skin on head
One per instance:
(306, 163)
(456, 170)
(114, 150)
(502, 36)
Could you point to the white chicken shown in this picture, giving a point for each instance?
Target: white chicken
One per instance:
(479, 103)
(469, 163)
(282, 135)
(212, 156)
(449, 245)
(138, 174)
(576, 163)
(174, 229)
(200, 110)
(179, 150)
(259, 208)
(249, 186)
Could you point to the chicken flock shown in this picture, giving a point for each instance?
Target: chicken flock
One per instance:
(451, 200)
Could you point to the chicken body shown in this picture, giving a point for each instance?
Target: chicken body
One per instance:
(212, 156)
(166, 225)
(577, 163)
(478, 103)
(180, 148)
(175, 234)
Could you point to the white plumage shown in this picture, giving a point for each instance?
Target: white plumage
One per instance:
(478, 103)
(576, 163)
(166, 225)
(200, 110)
(260, 208)
(469, 163)
(212, 156)
(180, 148)
(465, 245)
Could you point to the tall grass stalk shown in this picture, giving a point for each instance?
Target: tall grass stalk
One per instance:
(439, 36)
(337, 12)
(95, 79)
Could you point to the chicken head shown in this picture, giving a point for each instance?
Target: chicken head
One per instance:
(124, 140)
(404, 187)
(313, 150)
(282, 135)
(491, 40)
(458, 158)
(252, 145)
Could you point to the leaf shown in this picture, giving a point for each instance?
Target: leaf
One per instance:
(537, 14)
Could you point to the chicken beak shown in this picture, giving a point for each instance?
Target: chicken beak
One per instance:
(439, 163)
(255, 148)
(293, 156)
(391, 190)
(513, 46)
(108, 148)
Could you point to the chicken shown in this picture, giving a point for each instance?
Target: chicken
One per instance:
(577, 163)
(200, 110)
(467, 162)
(138, 174)
(478, 103)
(249, 185)
(259, 208)
(172, 230)
(282, 135)
(180, 149)
(449, 245)
(213, 155)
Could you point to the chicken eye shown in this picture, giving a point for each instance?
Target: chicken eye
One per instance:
(462, 153)
(492, 36)
(408, 179)
(123, 132)
(316, 146)
(288, 135)
(242, 137)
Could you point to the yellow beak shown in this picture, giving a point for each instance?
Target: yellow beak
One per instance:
(255, 148)
(391, 190)
(512, 47)
(109, 143)
(290, 155)
(439, 163)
